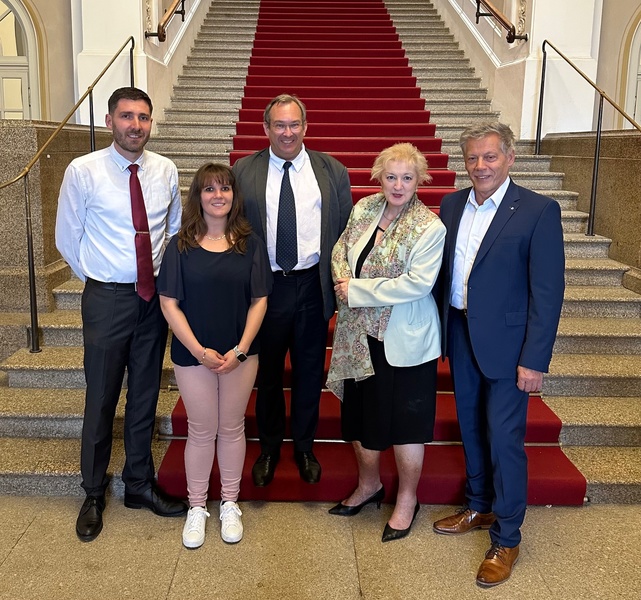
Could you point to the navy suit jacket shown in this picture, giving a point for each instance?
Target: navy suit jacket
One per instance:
(336, 204)
(515, 288)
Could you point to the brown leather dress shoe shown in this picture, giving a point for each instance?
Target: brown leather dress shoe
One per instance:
(463, 521)
(497, 566)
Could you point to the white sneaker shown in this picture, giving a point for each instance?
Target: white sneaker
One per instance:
(194, 529)
(231, 527)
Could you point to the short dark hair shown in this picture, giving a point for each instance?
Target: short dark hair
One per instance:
(285, 99)
(128, 93)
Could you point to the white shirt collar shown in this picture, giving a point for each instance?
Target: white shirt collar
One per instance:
(496, 198)
(297, 162)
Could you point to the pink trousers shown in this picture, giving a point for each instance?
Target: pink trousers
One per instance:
(216, 407)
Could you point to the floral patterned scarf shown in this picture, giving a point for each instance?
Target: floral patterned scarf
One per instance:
(350, 352)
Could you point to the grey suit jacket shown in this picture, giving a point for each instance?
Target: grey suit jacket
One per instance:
(336, 204)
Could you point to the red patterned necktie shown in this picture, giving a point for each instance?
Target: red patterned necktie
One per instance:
(146, 285)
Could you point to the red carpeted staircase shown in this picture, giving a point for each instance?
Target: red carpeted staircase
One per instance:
(346, 62)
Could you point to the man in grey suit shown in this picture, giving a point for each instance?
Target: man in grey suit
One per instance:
(299, 243)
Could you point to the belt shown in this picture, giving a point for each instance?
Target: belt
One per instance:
(111, 285)
(297, 272)
(460, 311)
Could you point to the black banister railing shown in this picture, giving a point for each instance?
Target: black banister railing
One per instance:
(24, 175)
(597, 149)
(496, 14)
(170, 13)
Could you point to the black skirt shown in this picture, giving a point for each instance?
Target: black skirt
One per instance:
(395, 406)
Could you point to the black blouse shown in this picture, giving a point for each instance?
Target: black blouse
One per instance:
(214, 291)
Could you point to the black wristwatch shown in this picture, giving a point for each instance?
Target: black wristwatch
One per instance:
(240, 355)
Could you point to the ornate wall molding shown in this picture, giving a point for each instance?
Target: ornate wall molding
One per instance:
(520, 25)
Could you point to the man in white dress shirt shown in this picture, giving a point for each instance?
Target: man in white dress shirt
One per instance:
(303, 300)
(121, 329)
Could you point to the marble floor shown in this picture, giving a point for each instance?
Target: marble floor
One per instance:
(298, 551)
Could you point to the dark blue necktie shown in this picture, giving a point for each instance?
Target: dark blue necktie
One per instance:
(286, 239)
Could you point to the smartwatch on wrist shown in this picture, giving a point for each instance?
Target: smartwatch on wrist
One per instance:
(240, 355)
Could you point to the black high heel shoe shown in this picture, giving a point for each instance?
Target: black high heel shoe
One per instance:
(389, 533)
(349, 511)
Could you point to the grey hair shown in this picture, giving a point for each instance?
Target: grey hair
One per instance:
(480, 130)
(285, 99)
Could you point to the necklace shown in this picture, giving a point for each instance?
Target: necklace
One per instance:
(388, 218)
(215, 239)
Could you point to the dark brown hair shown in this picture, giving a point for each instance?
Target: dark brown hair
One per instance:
(194, 228)
(128, 93)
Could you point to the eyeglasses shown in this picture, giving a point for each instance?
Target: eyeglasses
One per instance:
(280, 127)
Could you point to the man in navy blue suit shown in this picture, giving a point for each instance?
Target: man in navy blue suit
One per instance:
(500, 293)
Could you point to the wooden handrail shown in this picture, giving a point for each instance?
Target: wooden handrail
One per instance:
(170, 13)
(501, 18)
(24, 175)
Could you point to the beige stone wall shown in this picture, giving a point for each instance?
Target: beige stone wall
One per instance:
(618, 205)
(19, 142)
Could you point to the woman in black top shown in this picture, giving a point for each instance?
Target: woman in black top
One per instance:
(213, 286)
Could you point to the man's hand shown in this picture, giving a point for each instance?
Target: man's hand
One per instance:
(528, 380)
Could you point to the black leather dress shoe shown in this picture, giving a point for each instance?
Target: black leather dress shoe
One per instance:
(156, 501)
(349, 511)
(390, 534)
(308, 466)
(89, 522)
(264, 469)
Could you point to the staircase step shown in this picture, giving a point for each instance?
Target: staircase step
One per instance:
(58, 413)
(532, 180)
(552, 478)
(613, 472)
(598, 421)
(56, 367)
(67, 296)
(542, 425)
(602, 301)
(593, 375)
(598, 335)
(51, 467)
(603, 271)
(578, 245)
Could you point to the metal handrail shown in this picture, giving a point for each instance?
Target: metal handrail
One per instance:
(512, 36)
(597, 150)
(170, 13)
(24, 174)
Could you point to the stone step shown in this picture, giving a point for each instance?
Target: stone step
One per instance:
(598, 421)
(602, 301)
(58, 413)
(461, 118)
(182, 143)
(542, 180)
(197, 129)
(51, 467)
(187, 92)
(574, 221)
(606, 272)
(579, 245)
(523, 162)
(67, 296)
(613, 472)
(57, 367)
(596, 335)
(593, 375)
(442, 95)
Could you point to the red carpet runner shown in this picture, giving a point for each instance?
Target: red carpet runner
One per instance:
(346, 62)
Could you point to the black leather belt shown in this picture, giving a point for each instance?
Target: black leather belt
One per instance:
(296, 273)
(110, 285)
(460, 311)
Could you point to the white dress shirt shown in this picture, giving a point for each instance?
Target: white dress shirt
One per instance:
(307, 195)
(475, 222)
(94, 227)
